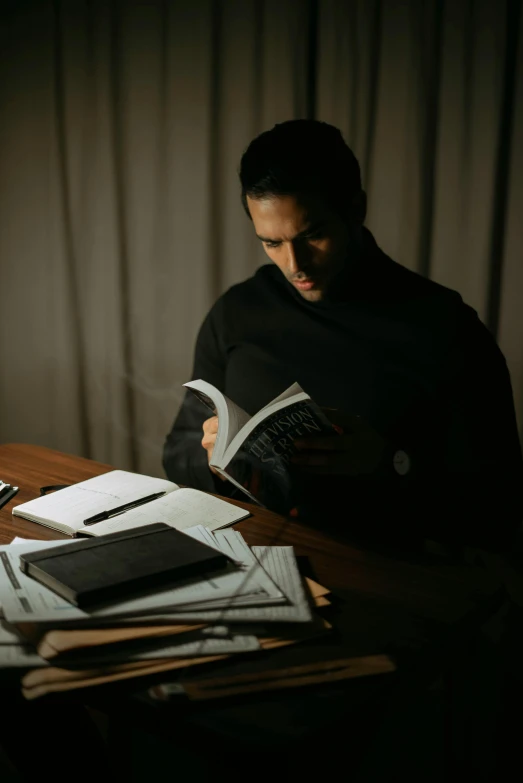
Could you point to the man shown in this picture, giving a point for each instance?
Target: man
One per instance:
(416, 384)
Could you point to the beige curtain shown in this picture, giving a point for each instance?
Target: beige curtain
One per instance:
(121, 129)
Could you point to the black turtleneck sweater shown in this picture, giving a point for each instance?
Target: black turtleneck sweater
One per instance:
(404, 353)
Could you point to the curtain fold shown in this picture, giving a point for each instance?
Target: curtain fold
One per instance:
(121, 129)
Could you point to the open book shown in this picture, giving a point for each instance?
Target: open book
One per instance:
(253, 452)
(68, 509)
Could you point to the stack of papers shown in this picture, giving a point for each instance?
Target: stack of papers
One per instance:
(262, 603)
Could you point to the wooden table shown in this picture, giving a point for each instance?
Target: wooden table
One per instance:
(415, 584)
(416, 606)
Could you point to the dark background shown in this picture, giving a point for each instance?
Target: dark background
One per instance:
(121, 129)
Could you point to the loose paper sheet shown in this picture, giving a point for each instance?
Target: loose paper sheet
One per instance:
(281, 565)
(26, 600)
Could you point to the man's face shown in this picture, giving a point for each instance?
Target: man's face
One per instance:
(308, 242)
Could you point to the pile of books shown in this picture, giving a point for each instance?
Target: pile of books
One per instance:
(256, 601)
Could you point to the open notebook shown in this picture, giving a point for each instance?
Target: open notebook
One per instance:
(67, 509)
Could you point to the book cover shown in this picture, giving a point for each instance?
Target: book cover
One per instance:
(117, 565)
(262, 467)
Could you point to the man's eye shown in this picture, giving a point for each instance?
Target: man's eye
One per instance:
(315, 236)
(272, 244)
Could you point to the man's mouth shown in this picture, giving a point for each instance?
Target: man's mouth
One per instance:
(304, 285)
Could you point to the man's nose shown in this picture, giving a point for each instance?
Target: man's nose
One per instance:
(297, 258)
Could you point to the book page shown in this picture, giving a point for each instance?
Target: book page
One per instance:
(232, 544)
(181, 509)
(231, 417)
(67, 508)
(23, 656)
(201, 533)
(9, 634)
(293, 389)
(280, 564)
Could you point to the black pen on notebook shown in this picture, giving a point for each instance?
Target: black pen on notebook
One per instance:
(120, 509)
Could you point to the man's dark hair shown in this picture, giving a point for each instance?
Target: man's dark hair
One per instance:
(300, 157)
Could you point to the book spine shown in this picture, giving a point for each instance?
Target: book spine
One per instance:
(92, 543)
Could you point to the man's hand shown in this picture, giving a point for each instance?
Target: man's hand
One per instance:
(357, 449)
(210, 430)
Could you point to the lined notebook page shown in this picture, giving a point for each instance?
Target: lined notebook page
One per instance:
(181, 509)
(69, 507)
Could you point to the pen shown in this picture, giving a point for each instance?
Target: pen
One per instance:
(119, 509)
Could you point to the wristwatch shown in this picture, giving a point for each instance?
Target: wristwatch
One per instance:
(395, 462)
(401, 462)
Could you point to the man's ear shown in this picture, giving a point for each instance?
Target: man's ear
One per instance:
(358, 206)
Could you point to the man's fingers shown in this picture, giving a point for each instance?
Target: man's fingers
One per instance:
(210, 425)
(208, 441)
(210, 428)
